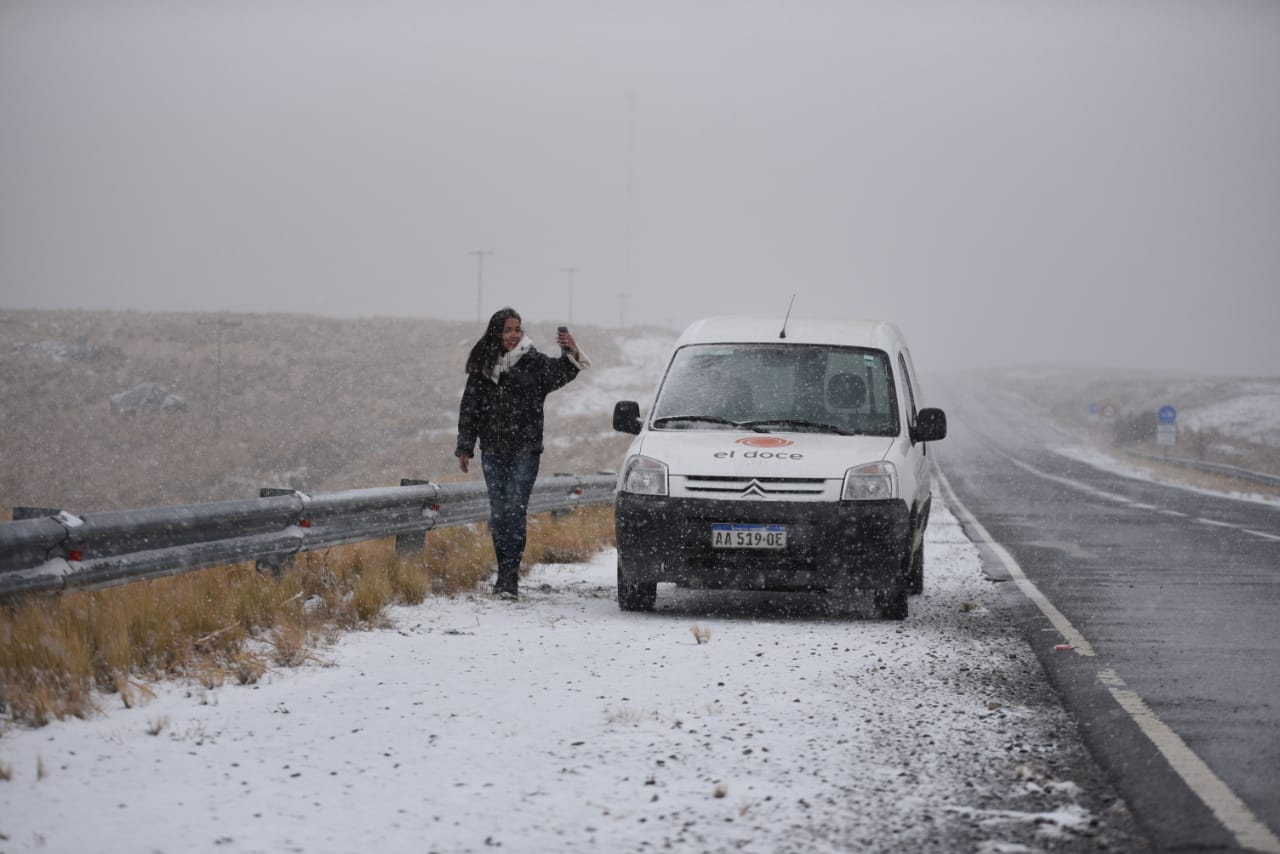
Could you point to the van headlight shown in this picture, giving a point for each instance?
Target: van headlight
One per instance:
(644, 476)
(871, 482)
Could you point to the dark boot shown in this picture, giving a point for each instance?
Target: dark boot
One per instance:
(508, 584)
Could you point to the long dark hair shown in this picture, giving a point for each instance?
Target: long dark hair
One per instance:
(488, 350)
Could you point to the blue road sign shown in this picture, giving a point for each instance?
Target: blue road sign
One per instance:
(1167, 414)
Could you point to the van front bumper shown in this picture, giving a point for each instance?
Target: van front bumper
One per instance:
(850, 544)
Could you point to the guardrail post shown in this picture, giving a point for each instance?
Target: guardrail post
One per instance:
(274, 564)
(564, 511)
(20, 513)
(415, 542)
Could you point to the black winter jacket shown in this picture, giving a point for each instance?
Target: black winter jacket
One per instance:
(506, 416)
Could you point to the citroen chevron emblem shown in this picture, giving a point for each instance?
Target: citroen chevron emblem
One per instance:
(754, 490)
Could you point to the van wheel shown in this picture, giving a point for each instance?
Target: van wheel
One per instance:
(634, 595)
(891, 604)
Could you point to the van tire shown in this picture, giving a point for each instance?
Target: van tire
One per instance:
(891, 604)
(634, 595)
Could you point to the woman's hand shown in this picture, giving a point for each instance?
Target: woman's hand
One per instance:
(464, 462)
(565, 339)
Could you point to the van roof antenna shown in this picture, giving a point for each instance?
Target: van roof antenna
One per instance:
(783, 333)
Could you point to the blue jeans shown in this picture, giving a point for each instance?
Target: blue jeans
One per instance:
(509, 479)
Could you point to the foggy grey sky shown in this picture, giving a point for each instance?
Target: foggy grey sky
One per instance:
(1085, 183)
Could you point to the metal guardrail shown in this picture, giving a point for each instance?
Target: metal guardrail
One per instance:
(1215, 468)
(57, 550)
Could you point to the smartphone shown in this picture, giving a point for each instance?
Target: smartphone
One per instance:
(560, 329)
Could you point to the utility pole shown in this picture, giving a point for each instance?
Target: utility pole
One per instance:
(480, 253)
(222, 323)
(629, 213)
(570, 271)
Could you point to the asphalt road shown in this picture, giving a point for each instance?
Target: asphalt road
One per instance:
(1176, 592)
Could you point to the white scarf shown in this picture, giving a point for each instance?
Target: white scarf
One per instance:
(508, 359)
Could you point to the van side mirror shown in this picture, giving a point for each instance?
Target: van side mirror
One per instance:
(931, 425)
(626, 417)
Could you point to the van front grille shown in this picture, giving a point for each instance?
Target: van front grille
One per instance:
(754, 487)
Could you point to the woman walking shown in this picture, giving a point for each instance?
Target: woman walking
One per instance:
(508, 381)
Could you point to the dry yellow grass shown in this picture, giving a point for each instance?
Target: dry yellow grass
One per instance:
(572, 538)
(61, 655)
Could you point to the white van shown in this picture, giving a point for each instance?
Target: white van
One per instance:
(779, 455)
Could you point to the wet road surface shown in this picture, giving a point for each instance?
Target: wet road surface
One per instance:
(1177, 595)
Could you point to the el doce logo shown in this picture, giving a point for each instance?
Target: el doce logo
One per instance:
(761, 442)
(765, 441)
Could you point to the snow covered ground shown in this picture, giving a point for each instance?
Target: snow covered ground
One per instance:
(1243, 409)
(559, 723)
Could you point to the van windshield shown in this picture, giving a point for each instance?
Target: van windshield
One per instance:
(778, 388)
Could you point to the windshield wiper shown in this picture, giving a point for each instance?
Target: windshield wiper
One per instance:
(710, 419)
(797, 423)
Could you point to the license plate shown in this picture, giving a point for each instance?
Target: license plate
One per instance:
(730, 536)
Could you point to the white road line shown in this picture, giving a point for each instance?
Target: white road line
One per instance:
(1216, 795)
(1262, 534)
(1231, 525)
(1056, 617)
(1120, 499)
(1234, 814)
(1074, 484)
